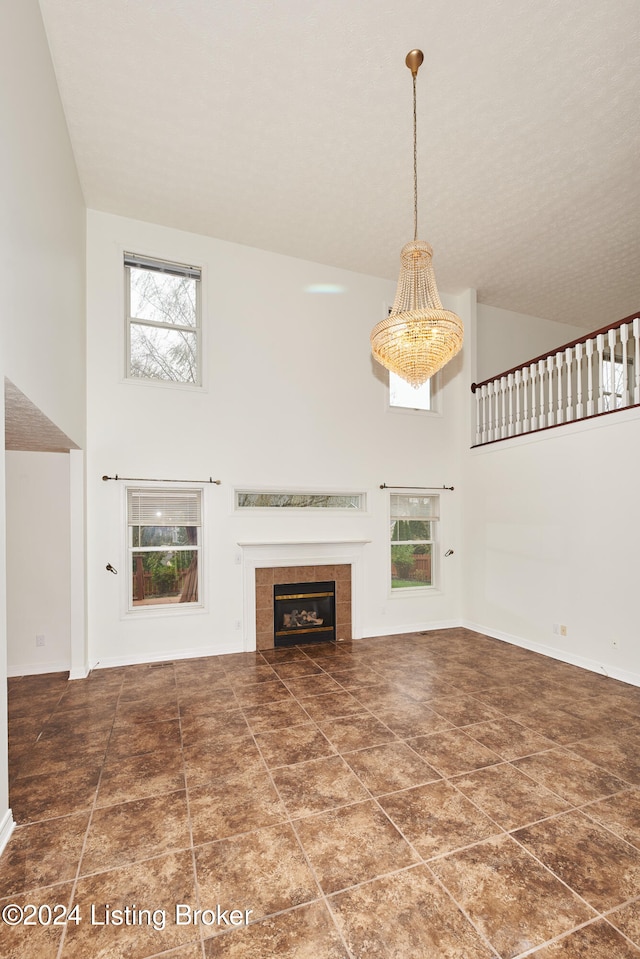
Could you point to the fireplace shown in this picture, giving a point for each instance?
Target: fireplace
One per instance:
(304, 613)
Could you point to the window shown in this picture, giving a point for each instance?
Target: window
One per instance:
(614, 395)
(164, 546)
(255, 499)
(163, 320)
(413, 521)
(404, 396)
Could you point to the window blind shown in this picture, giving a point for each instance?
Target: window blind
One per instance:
(147, 507)
(162, 266)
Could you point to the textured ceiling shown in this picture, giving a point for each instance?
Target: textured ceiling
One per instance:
(287, 126)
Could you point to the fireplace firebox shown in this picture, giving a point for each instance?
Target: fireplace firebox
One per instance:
(304, 613)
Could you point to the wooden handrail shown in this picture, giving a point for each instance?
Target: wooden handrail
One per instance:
(558, 349)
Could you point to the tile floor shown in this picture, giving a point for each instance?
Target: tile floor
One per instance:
(437, 795)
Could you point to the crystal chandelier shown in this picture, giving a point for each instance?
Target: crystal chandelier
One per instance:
(418, 337)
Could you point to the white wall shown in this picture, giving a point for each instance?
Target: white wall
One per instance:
(292, 398)
(42, 234)
(507, 339)
(551, 536)
(38, 586)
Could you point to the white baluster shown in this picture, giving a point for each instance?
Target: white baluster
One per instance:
(624, 339)
(478, 398)
(550, 407)
(534, 408)
(612, 336)
(482, 414)
(589, 352)
(559, 413)
(503, 403)
(541, 416)
(579, 404)
(517, 379)
(510, 429)
(490, 428)
(636, 360)
(568, 356)
(600, 348)
(525, 397)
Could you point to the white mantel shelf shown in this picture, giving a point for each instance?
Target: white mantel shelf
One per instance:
(262, 554)
(306, 542)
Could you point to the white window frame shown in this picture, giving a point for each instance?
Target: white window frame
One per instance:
(317, 509)
(414, 410)
(434, 520)
(178, 269)
(162, 609)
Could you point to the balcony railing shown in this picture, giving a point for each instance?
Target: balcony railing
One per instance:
(591, 376)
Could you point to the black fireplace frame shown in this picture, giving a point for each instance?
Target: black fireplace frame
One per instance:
(286, 594)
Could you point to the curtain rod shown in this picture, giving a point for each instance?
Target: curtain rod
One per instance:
(384, 486)
(140, 479)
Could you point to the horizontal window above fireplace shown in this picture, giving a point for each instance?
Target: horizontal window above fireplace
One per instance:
(299, 499)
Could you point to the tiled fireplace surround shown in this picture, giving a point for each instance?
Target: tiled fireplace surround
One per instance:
(266, 564)
(270, 576)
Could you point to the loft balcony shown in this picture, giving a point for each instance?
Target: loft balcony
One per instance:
(595, 375)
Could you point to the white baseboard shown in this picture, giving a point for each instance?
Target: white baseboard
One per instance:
(412, 628)
(35, 669)
(79, 673)
(604, 669)
(168, 656)
(7, 825)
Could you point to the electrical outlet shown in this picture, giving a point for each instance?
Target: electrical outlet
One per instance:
(563, 630)
(39, 640)
(556, 629)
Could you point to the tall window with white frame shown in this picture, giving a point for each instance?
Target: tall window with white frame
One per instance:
(406, 397)
(413, 522)
(163, 320)
(165, 548)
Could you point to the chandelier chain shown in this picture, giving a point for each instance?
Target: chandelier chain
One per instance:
(415, 162)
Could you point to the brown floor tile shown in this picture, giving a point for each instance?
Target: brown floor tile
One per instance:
(251, 675)
(207, 701)
(136, 830)
(575, 779)
(146, 738)
(619, 756)
(287, 712)
(192, 950)
(264, 871)
(156, 884)
(436, 819)
(463, 710)
(42, 853)
(34, 941)
(406, 916)
(356, 732)
(47, 797)
(620, 814)
(508, 895)
(305, 687)
(627, 920)
(595, 941)
(332, 706)
(206, 762)
(352, 844)
(304, 933)
(260, 693)
(296, 668)
(453, 752)
(50, 757)
(554, 723)
(602, 868)
(220, 728)
(409, 719)
(389, 767)
(509, 739)
(139, 777)
(285, 747)
(232, 804)
(144, 711)
(317, 785)
(508, 796)
(353, 676)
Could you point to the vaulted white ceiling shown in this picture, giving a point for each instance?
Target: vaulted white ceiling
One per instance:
(287, 125)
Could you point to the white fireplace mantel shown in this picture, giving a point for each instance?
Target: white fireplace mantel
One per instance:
(261, 554)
